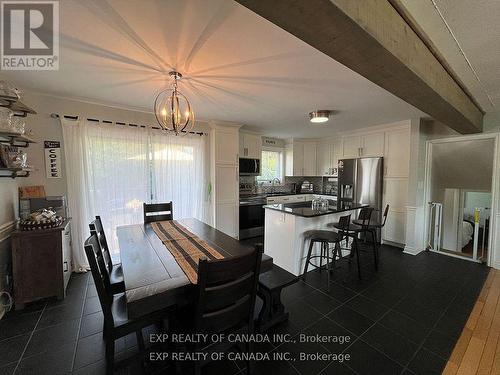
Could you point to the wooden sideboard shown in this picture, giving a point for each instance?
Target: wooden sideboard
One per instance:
(41, 263)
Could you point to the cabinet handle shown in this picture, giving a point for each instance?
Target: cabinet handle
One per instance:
(65, 268)
(237, 175)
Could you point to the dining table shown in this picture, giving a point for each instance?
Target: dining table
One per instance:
(153, 278)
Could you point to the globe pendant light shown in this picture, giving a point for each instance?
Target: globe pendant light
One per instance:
(172, 109)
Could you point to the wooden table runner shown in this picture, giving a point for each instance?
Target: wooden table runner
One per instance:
(186, 248)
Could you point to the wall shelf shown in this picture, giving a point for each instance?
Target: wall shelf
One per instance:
(14, 139)
(14, 172)
(16, 106)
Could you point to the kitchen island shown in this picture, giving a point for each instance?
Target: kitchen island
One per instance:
(285, 225)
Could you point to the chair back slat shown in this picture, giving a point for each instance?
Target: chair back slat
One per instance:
(343, 226)
(96, 226)
(158, 212)
(100, 276)
(226, 292)
(231, 317)
(365, 215)
(221, 296)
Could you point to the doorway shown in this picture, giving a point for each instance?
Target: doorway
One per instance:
(460, 191)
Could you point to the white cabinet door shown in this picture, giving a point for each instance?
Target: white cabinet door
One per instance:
(250, 146)
(289, 160)
(298, 159)
(226, 147)
(397, 153)
(324, 158)
(309, 159)
(372, 144)
(227, 199)
(351, 146)
(227, 218)
(253, 145)
(226, 183)
(395, 227)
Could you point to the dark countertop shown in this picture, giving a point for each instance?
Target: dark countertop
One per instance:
(304, 208)
(266, 195)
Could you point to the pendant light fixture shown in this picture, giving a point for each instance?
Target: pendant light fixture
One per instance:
(319, 116)
(172, 109)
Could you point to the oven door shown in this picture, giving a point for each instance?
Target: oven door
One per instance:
(251, 220)
(249, 167)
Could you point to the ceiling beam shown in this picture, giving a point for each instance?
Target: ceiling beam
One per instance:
(373, 39)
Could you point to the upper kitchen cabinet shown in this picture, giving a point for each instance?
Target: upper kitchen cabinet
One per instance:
(365, 145)
(300, 157)
(250, 146)
(397, 153)
(309, 158)
(372, 145)
(327, 156)
(350, 146)
(226, 147)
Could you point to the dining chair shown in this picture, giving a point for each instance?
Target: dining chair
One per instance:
(114, 306)
(158, 212)
(114, 272)
(224, 302)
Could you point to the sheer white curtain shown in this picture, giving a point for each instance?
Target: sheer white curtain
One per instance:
(112, 169)
(178, 172)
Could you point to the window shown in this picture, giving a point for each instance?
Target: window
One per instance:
(271, 166)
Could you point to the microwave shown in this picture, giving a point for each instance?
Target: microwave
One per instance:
(249, 167)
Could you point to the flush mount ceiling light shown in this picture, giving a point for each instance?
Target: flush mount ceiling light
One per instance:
(172, 109)
(319, 116)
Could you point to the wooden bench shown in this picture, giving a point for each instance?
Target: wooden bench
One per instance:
(271, 283)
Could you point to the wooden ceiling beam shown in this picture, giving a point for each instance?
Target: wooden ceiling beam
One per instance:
(371, 38)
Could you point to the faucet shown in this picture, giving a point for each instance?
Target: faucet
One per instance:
(276, 179)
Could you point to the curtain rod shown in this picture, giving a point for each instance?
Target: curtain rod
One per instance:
(74, 118)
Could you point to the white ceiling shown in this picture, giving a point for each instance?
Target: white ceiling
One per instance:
(237, 66)
(467, 35)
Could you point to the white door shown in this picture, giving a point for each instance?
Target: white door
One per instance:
(309, 159)
(351, 146)
(372, 145)
(397, 153)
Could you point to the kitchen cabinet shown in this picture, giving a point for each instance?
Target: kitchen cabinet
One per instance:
(309, 158)
(226, 147)
(397, 153)
(287, 199)
(365, 145)
(225, 178)
(372, 145)
(250, 146)
(327, 157)
(41, 263)
(300, 157)
(350, 146)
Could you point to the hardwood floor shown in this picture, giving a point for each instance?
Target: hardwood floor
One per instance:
(478, 349)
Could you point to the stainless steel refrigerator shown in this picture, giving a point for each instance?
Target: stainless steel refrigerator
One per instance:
(361, 181)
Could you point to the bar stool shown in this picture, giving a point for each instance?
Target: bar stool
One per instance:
(325, 238)
(376, 225)
(362, 225)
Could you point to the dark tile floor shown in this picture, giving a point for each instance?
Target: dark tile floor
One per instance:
(405, 318)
